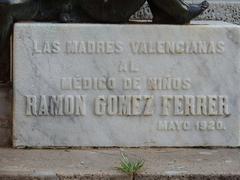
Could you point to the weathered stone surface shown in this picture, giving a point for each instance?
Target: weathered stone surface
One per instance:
(126, 85)
(101, 164)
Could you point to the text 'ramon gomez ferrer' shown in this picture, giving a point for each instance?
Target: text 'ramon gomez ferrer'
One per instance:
(127, 105)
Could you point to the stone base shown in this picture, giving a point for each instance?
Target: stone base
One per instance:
(160, 164)
(95, 85)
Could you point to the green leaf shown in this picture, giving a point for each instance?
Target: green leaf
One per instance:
(130, 167)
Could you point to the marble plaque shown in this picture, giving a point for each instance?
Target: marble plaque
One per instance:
(92, 85)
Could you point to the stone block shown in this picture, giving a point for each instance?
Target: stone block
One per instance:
(93, 85)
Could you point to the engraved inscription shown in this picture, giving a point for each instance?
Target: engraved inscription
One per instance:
(126, 83)
(168, 83)
(128, 67)
(181, 47)
(132, 83)
(181, 125)
(62, 105)
(195, 105)
(124, 105)
(132, 105)
(128, 105)
(88, 83)
(46, 47)
(94, 47)
(136, 47)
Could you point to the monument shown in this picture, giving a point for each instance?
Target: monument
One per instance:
(121, 85)
(94, 85)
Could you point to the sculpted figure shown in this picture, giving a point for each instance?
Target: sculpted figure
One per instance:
(104, 11)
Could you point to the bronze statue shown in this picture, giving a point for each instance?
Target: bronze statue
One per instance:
(104, 11)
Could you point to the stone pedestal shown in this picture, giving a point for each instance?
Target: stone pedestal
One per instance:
(78, 85)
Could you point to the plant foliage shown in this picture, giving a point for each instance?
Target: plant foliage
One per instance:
(130, 167)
